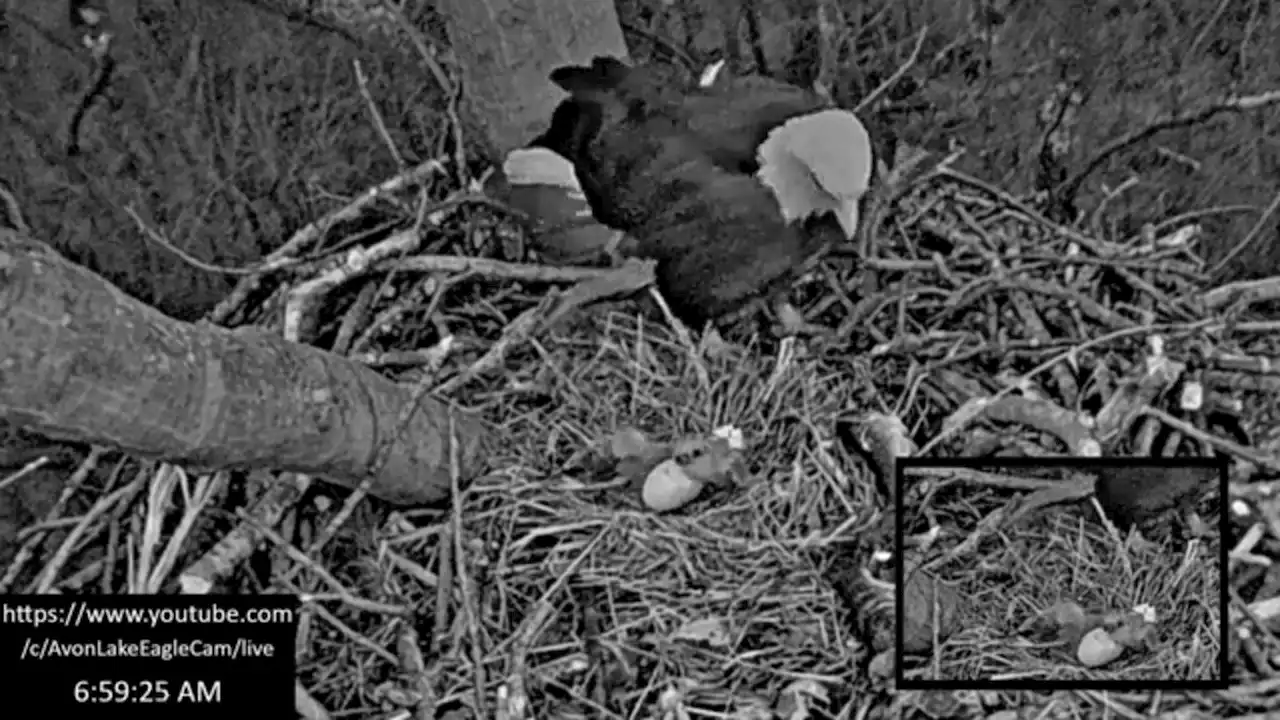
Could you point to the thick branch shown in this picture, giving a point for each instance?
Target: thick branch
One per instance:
(82, 361)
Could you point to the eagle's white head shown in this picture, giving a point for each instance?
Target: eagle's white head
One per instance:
(818, 163)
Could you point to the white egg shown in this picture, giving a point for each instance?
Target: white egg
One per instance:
(1097, 649)
(668, 487)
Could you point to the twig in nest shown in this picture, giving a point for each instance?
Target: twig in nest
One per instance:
(512, 697)
(155, 237)
(881, 439)
(288, 262)
(467, 591)
(949, 430)
(314, 231)
(363, 83)
(1037, 330)
(1254, 234)
(300, 309)
(263, 267)
(354, 317)
(388, 256)
(336, 589)
(32, 541)
(1271, 462)
(1244, 292)
(1095, 246)
(634, 275)
(234, 548)
(1096, 222)
(1039, 414)
(521, 328)
(432, 285)
(24, 471)
(491, 268)
(1192, 216)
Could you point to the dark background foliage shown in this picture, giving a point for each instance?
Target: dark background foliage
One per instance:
(234, 123)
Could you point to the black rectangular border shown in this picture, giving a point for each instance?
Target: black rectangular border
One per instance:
(1078, 463)
(263, 686)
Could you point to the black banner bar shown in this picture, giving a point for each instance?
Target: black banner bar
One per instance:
(100, 656)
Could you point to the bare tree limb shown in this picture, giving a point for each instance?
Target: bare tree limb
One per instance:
(81, 361)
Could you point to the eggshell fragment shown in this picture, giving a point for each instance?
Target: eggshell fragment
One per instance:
(668, 487)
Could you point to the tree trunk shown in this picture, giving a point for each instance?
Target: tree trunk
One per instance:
(508, 47)
(82, 361)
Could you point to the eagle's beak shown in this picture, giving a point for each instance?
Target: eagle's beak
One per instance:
(847, 216)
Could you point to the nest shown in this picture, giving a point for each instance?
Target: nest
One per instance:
(546, 592)
(572, 601)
